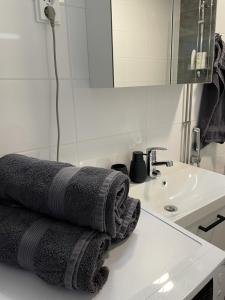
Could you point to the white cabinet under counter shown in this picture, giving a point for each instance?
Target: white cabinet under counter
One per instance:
(211, 228)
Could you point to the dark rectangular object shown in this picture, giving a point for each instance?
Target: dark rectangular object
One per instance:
(206, 293)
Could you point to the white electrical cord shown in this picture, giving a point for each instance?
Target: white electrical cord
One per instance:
(50, 14)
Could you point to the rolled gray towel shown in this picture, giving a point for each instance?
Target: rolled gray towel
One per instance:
(60, 253)
(90, 197)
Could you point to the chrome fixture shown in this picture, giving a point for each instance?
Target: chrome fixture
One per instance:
(186, 131)
(152, 163)
(196, 147)
(201, 24)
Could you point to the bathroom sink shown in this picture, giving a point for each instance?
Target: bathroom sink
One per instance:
(180, 191)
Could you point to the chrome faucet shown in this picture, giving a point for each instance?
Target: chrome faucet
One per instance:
(152, 162)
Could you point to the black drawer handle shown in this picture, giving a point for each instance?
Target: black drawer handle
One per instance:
(220, 220)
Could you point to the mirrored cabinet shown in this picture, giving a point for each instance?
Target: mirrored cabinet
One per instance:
(148, 42)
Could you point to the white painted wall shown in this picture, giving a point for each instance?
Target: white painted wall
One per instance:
(99, 126)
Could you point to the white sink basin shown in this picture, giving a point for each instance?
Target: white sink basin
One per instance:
(191, 190)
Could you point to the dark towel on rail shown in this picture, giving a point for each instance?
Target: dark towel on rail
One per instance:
(60, 253)
(212, 109)
(90, 197)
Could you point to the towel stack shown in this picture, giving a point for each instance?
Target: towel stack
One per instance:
(58, 221)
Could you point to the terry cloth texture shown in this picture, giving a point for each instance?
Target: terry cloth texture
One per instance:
(91, 197)
(60, 253)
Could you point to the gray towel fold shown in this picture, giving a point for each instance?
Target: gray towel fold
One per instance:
(90, 197)
(211, 119)
(59, 253)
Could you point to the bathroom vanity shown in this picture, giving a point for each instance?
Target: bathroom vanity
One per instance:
(191, 197)
(159, 261)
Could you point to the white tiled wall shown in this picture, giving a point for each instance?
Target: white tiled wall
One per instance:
(213, 156)
(24, 84)
(99, 126)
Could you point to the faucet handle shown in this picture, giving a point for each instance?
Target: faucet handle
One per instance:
(149, 150)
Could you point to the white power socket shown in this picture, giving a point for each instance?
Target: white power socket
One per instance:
(40, 10)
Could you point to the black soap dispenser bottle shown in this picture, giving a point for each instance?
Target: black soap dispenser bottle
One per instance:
(138, 170)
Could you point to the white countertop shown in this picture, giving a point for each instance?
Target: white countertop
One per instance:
(159, 261)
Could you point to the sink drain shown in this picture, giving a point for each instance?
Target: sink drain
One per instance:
(171, 208)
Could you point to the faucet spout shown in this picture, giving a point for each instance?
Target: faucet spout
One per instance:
(152, 162)
(168, 163)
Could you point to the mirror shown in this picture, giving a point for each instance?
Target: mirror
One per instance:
(142, 31)
(149, 42)
(193, 41)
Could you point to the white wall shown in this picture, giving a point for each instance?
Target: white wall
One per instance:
(99, 126)
(213, 156)
(24, 84)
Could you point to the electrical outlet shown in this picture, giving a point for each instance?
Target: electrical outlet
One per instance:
(40, 10)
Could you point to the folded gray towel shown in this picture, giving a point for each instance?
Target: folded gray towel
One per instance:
(90, 197)
(60, 253)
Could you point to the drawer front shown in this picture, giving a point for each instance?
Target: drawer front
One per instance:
(211, 228)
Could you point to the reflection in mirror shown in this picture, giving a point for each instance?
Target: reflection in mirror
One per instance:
(149, 42)
(194, 31)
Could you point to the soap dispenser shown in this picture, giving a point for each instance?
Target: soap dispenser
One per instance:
(138, 170)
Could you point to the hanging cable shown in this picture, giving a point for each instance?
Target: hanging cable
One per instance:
(50, 14)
